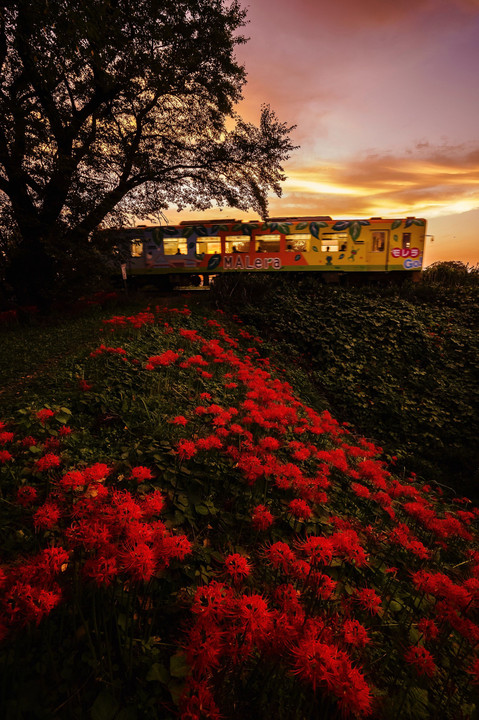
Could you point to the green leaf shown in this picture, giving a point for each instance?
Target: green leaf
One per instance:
(179, 668)
(301, 226)
(315, 249)
(158, 673)
(201, 510)
(396, 224)
(105, 707)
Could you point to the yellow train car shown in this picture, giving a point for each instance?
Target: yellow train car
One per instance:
(313, 244)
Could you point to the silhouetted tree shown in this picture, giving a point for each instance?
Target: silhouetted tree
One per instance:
(116, 107)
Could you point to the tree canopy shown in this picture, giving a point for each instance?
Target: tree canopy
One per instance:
(110, 108)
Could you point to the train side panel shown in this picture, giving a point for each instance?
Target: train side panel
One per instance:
(375, 245)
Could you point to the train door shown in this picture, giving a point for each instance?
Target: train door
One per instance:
(377, 249)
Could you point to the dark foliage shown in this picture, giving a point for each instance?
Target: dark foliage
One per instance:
(400, 364)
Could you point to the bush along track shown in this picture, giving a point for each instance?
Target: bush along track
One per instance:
(184, 538)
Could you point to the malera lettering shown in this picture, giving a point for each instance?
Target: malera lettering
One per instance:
(244, 263)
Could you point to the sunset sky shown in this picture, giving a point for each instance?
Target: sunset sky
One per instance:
(385, 96)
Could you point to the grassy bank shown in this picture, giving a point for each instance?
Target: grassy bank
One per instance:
(186, 534)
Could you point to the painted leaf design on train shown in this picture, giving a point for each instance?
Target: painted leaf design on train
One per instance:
(214, 261)
(396, 224)
(414, 221)
(201, 230)
(187, 231)
(245, 228)
(301, 226)
(341, 225)
(171, 231)
(315, 249)
(355, 228)
(314, 228)
(284, 228)
(297, 257)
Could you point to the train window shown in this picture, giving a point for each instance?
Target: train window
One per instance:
(298, 242)
(175, 246)
(406, 240)
(332, 242)
(208, 245)
(378, 241)
(136, 248)
(267, 243)
(237, 243)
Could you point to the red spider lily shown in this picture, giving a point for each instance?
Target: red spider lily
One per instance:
(84, 385)
(318, 549)
(152, 504)
(473, 670)
(46, 516)
(237, 567)
(28, 441)
(139, 561)
(96, 473)
(421, 659)
(6, 437)
(288, 597)
(73, 480)
(251, 467)
(208, 443)
(360, 490)
(280, 556)
(179, 420)
(186, 449)
(90, 533)
(65, 430)
(26, 495)
(203, 646)
(369, 600)
(300, 509)
(44, 415)
(102, 569)
(24, 603)
(212, 601)
(428, 628)
(190, 334)
(47, 462)
(355, 634)
(254, 616)
(163, 360)
(177, 546)
(197, 702)
(324, 665)
(140, 474)
(440, 585)
(261, 518)
(5, 456)
(346, 545)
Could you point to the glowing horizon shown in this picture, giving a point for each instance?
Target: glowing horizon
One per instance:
(385, 100)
